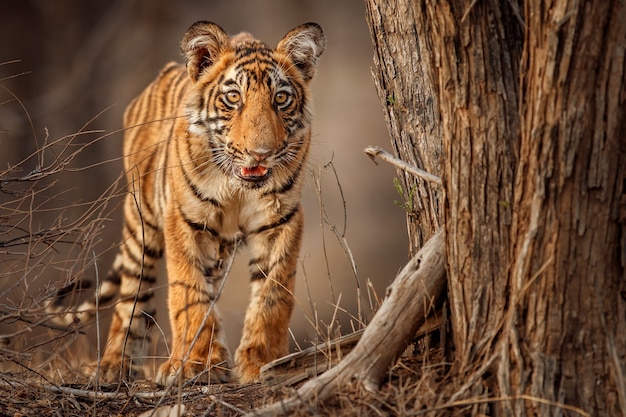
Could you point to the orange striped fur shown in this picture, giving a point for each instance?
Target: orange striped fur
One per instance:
(214, 156)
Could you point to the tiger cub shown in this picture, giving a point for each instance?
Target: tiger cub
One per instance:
(214, 157)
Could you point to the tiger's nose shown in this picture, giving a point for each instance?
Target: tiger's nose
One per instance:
(260, 154)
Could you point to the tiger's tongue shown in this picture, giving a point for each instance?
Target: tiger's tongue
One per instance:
(256, 171)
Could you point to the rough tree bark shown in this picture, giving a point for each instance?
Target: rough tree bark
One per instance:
(409, 98)
(479, 45)
(476, 48)
(566, 337)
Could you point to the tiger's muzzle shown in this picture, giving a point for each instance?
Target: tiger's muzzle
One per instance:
(256, 168)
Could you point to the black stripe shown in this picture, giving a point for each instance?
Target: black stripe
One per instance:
(197, 192)
(114, 277)
(106, 299)
(165, 98)
(170, 68)
(210, 95)
(217, 118)
(164, 149)
(265, 52)
(170, 135)
(190, 287)
(139, 262)
(288, 185)
(143, 298)
(194, 304)
(197, 226)
(129, 253)
(263, 272)
(147, 208)
(153, 253)
(178, 90)
(294, 125)
(193, 288)
(286, 218)
(139, 275)
(220, 130)
(144, 223)
(194, 188)
(255, 60)
(142, 107)
(268, 81)
(258, 275)
(200, 104)
(230, 83)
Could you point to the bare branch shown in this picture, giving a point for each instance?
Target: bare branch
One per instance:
(377, 151)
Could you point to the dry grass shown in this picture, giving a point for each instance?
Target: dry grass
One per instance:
(406, 392)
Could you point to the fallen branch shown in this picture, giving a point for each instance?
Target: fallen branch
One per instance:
(418, 288)
(308, 363)
(90, 393)
(377, 151)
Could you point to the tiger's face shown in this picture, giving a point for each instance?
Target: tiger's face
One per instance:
(250, 102)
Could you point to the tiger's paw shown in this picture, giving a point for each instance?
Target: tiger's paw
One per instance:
(249, 359)
(248, 372)
(175, 372)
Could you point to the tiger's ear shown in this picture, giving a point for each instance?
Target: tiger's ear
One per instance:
(202, 44)
(304, 45)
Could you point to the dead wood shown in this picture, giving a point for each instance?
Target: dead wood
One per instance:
(307, 363)
(377, 151)
(415, 292)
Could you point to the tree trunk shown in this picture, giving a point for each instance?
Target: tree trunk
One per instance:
(531, 105)
(566, 339)
(468, 68)
(479, 47)
(409, 99)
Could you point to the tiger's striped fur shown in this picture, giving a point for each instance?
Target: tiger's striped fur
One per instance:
(214, 157)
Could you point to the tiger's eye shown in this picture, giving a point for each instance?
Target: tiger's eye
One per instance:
(281, 97)
(233, 97)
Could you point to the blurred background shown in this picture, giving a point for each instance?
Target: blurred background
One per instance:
(69, 66)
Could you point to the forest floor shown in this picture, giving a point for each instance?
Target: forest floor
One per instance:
(405, 391)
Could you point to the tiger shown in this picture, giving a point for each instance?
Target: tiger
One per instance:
(214, 155)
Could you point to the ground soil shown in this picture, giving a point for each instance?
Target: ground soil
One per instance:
(405, 392)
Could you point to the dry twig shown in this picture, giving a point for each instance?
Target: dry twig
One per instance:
(377, 151)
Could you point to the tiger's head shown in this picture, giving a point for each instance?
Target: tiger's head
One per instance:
(250, 102)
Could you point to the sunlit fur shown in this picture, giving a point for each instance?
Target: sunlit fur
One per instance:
(214, 156)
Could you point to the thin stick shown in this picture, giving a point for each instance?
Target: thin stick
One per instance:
(377, 151)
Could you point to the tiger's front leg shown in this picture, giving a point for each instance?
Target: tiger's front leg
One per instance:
(196, 259)
(274, 252)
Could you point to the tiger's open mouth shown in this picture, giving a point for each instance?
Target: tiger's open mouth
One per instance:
(255, 173)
